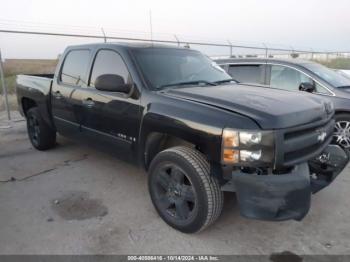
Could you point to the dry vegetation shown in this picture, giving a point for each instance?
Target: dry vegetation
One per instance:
(337, 63)
(13, 67)
(12, 99)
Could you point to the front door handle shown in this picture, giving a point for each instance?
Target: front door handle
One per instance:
(89, 103)
(57, 94)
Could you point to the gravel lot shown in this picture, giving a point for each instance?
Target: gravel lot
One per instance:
(77, 200)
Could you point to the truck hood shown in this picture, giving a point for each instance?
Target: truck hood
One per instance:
(270, 108)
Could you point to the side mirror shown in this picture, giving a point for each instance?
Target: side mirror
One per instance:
(112, 83)
(307, 87)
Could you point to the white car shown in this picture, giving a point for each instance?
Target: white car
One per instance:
(345, 73)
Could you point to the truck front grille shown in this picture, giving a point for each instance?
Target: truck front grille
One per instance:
(303, 143)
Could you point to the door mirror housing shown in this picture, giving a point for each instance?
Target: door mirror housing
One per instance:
(307, 87)
(112, 83)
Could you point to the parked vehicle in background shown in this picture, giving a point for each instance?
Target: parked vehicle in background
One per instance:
(345, 73)
(298, 75)
(197, 132)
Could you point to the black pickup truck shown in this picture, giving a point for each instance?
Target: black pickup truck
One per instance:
(193, 128)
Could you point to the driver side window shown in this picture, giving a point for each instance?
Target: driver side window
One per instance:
(109, 62)
(287, 78)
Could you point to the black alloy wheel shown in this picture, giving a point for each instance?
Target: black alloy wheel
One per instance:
(33, 129)
(184, 193)
(41, 135)
(174, 192)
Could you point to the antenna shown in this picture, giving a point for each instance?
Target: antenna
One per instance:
(104, 35)
(150, 23)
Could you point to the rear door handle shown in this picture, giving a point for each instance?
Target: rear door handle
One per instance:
(57, 94)
(89, 103)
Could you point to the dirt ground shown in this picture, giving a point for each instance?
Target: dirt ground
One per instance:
(77, 200)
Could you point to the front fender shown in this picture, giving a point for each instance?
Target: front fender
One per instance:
(193, 122)
(206, 137)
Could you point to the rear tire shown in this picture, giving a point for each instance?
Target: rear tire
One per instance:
(182, 190)
(41, 135)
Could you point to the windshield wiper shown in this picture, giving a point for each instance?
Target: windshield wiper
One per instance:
(190, 83)
(226, 81)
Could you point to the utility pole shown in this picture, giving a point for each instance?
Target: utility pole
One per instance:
(4, 89)
(266, 50)
(231, 51)
(104, 35)
(151, 25)
(177, 40)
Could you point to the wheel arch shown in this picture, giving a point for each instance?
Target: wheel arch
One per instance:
(27, 103)
(156, 142)
(339, 112)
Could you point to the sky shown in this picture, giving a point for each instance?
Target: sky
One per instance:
(318, 25)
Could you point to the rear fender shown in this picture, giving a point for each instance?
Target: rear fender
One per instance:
(36, 90)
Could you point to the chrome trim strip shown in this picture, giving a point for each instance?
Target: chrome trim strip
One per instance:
(67, 121)
(94, 130)
(106, 134)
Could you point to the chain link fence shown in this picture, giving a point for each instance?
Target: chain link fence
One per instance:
(218, 49)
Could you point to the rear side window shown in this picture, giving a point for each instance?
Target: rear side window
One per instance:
(109, 62)
(75, 68)
(247, 73)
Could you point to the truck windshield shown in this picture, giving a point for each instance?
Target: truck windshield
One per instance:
(167, 67)
(332, 77)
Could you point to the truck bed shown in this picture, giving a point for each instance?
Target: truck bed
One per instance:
(33, 81)
(36, 89)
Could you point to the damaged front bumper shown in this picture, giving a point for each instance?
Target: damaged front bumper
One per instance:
(287, 196)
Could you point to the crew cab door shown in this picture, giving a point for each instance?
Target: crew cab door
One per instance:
(109, 118)
(71, 76)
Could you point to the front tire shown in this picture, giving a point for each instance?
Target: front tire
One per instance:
(182, 190)
(41, 135)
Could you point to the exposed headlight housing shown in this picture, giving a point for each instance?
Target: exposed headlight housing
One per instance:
(248, 148)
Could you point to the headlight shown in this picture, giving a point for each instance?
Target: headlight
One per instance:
(248, 148)
(248, 138)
